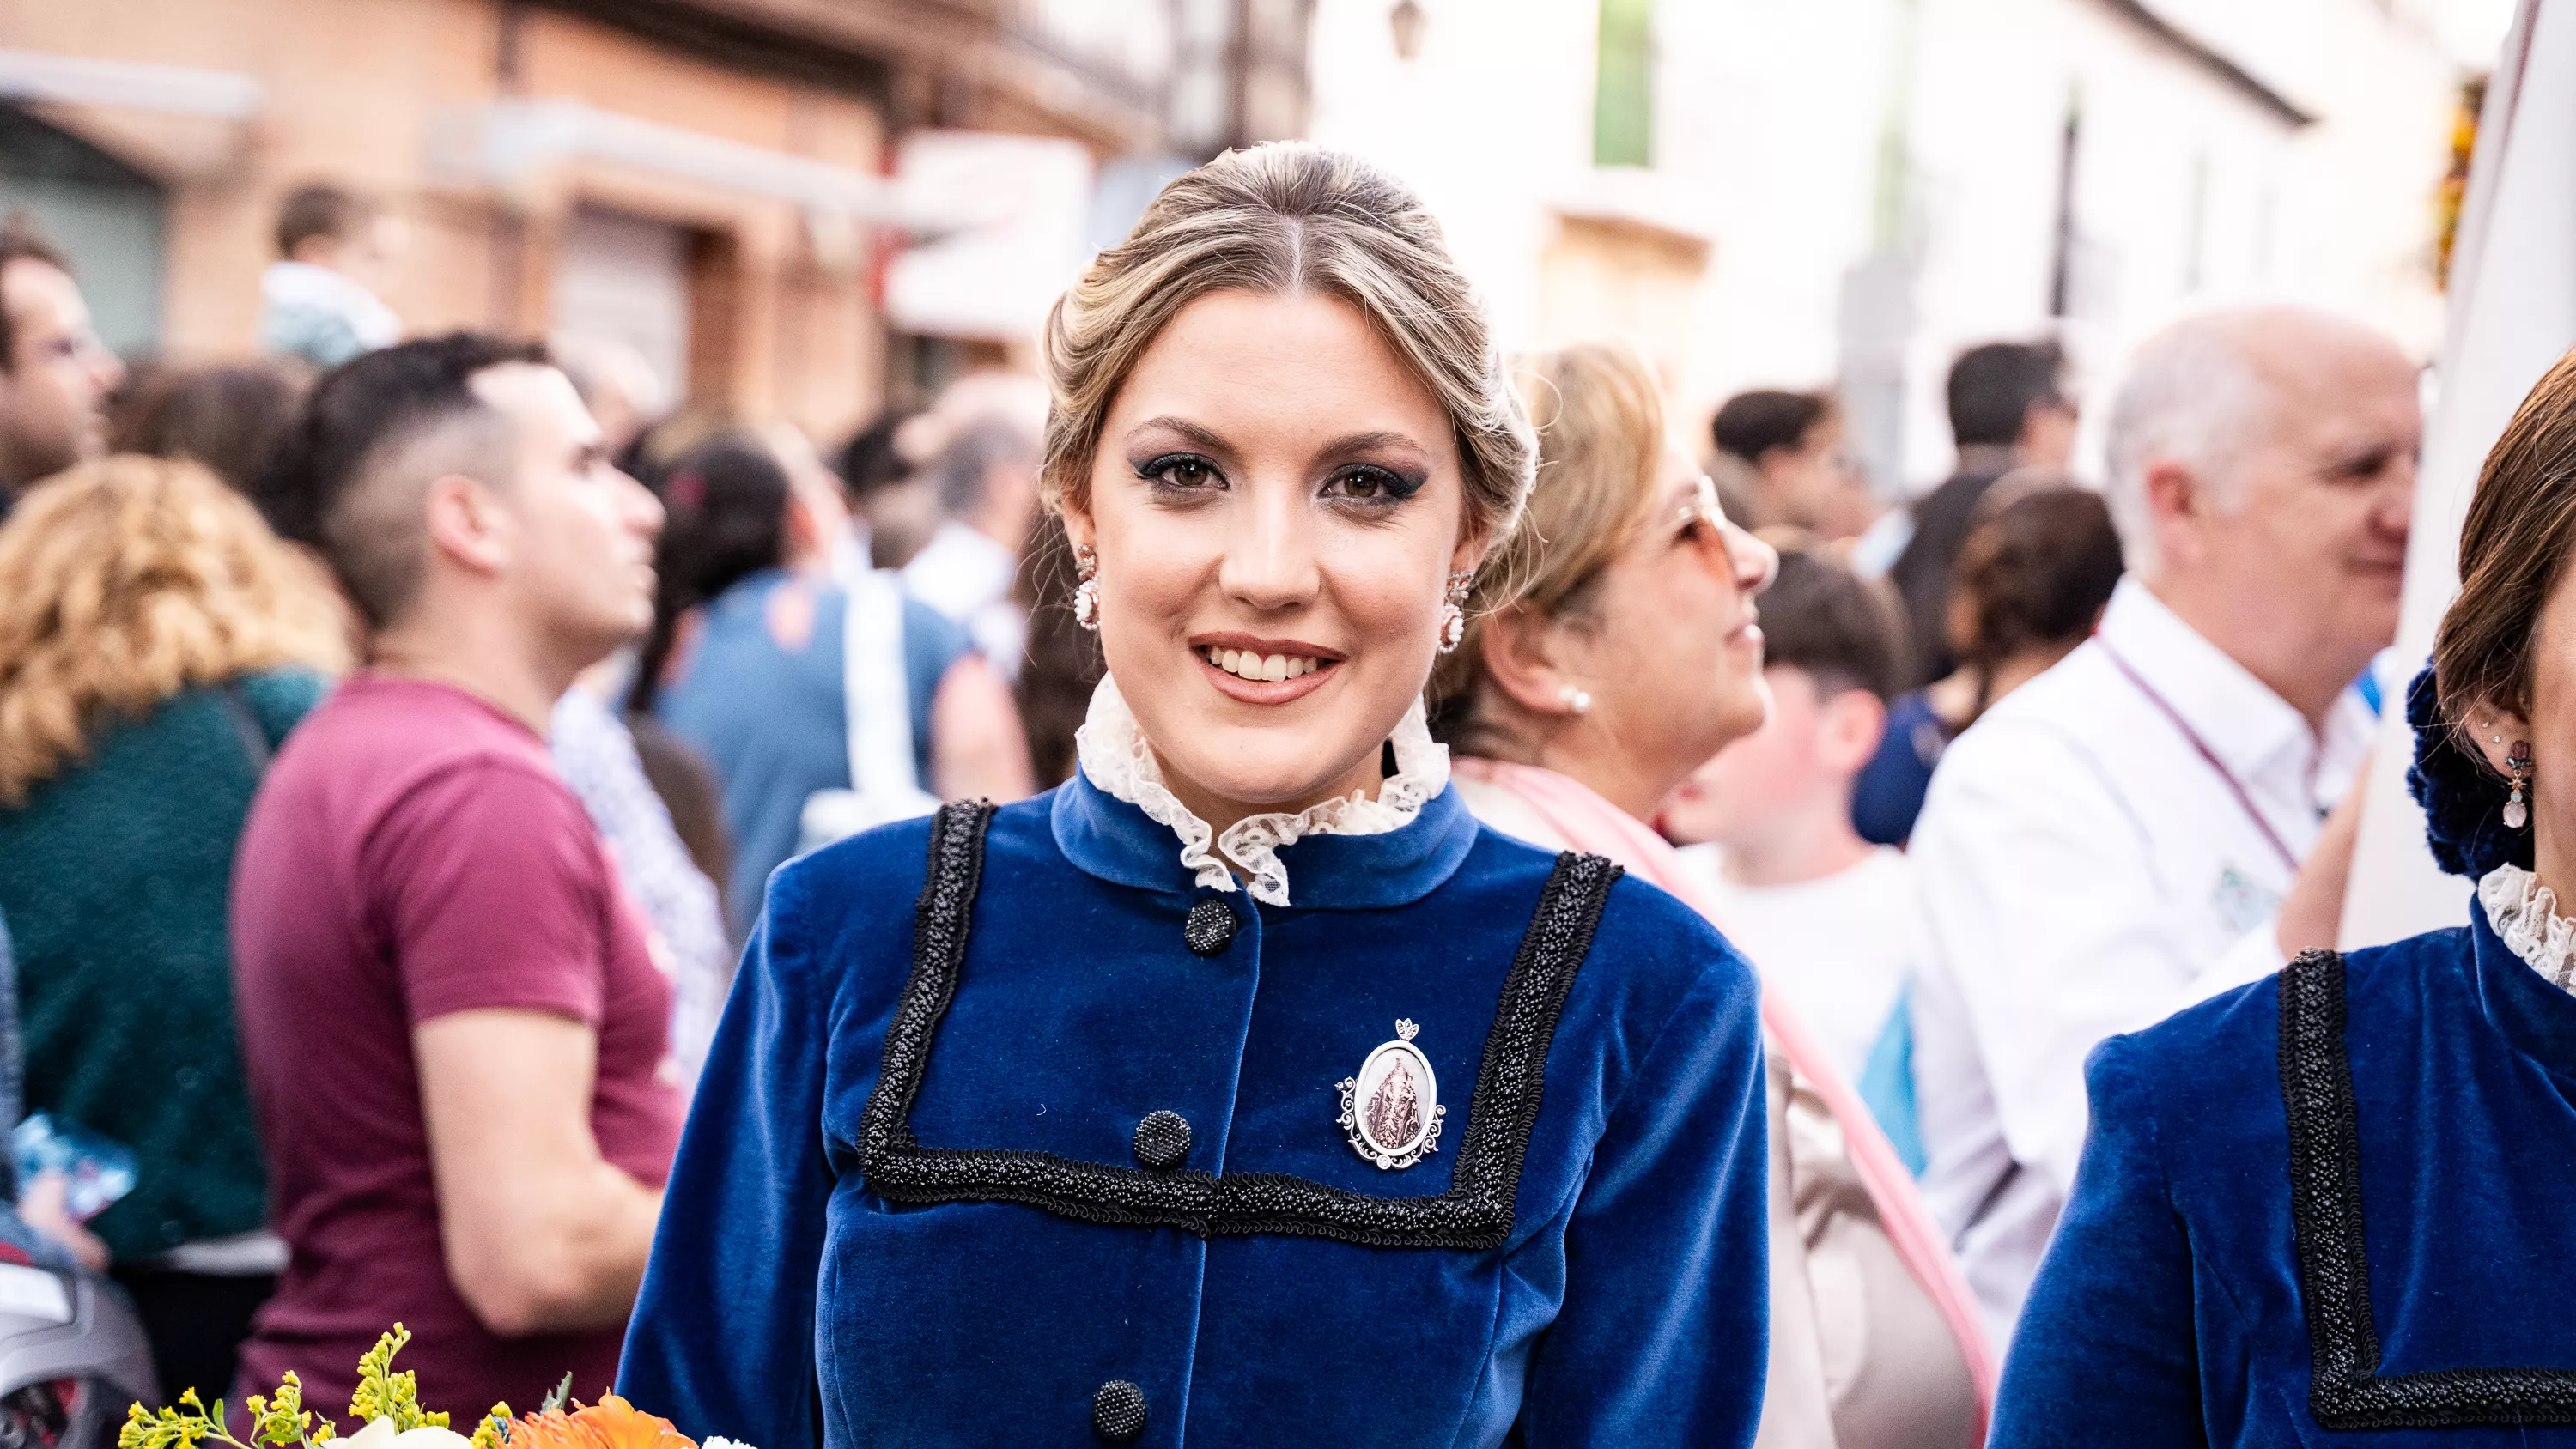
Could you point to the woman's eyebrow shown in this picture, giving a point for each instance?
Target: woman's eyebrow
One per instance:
(1372, 442)
(1189, 432)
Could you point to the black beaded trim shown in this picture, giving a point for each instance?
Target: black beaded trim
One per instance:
(2345, 1389)
(1475, 1213)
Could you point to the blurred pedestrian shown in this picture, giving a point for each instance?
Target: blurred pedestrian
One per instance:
(229, 417)
(318, 300)
(1780, 462)
(888, 500)
(2124, 835)
(1828, 917)
(156, 646)
(55, 375)
(1592, 680)
(457, 1034)
(2033, 578)
(751, 662)
(987, 477)
(2009, 409)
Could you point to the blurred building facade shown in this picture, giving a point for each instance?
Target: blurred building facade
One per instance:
(725, 185)
(1849, 191)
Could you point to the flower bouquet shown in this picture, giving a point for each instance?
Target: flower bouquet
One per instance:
(389, 1403)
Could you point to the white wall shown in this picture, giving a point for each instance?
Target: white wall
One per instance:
(1771, 134)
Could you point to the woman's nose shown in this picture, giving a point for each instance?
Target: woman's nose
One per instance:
(1271, 566)
(1756, 563)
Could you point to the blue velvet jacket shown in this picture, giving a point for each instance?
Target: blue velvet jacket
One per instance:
(2331, 1208)
(919, 1200)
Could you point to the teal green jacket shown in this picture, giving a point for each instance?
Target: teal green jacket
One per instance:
(114, 878)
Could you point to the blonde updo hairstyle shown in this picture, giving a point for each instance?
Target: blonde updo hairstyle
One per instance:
(1286, 219)
(1601, 451)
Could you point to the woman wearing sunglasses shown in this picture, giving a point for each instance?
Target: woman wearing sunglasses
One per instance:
(1591, 685)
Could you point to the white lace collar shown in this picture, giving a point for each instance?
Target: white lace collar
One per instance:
(2525, 913)
(1119, 763)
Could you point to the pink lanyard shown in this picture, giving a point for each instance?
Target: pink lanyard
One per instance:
(2217, 766)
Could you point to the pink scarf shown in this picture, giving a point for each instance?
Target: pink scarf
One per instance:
(1591, 823)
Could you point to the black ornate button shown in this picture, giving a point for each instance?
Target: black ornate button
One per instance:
(1210, 928)
(1163, 1139)
(1118, 1412)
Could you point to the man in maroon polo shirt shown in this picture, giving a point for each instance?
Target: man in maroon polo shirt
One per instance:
(455, 1033)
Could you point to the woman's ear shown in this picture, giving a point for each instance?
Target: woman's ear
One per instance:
(2497, 730)
(1469, 555)
(1079, 530)
(1521, 655)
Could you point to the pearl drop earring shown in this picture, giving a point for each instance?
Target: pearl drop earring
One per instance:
(1453, 610)
(2517, 809)
(1576, 701)
(1086, 594)
(2517, 766)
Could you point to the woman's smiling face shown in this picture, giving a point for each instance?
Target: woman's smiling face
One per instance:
(1276, 505)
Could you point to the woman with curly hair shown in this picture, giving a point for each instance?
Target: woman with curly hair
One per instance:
(2332, 1206)
(156, 643)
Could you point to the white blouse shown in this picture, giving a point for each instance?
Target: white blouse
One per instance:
(1118, 761)
(2525, 913)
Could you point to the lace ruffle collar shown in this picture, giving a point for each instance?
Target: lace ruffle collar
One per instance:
(2525, 913)
(1119, 763)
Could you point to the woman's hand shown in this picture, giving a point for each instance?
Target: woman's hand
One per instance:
(44, 1207)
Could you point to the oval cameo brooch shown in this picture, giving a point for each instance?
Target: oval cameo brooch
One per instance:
(1391, 1111)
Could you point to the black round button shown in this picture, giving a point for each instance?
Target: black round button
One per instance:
(1210, 928)
(1118, 1412)
(1163, 1139)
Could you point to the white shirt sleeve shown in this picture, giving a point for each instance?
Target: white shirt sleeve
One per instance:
(2044, 907)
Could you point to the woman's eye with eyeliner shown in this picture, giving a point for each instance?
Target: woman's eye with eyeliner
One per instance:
(1186, 472)
(1371, 485)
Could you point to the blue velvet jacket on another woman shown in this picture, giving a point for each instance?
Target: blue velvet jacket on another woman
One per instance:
(946, 1237)
(2358, 1230)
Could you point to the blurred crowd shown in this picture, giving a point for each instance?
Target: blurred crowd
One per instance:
(284, 643)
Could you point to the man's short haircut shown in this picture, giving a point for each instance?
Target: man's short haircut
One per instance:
(2192, 396)
(21, 241)
(1753, 423)
(962, 470)
(1845, 631)
(1993, 387)
(378, 430)
(319, 210)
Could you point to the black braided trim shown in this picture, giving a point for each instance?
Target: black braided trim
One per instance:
(2345, 1389)
(1475, 1213)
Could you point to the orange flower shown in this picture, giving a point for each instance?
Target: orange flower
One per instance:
(612, 1423)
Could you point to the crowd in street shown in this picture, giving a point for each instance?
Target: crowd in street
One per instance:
(406, 744)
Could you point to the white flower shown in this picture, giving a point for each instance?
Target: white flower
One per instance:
(379, 1434)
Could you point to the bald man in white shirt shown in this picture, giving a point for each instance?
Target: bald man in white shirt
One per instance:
(2148, 823)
